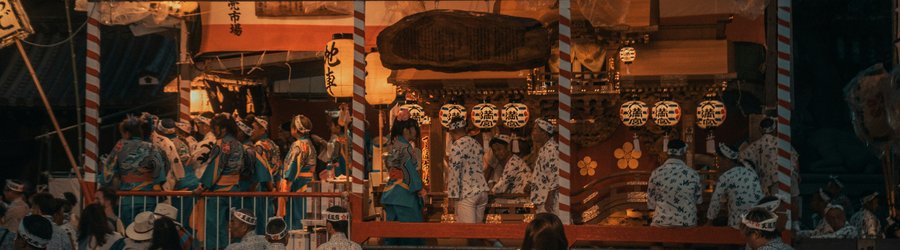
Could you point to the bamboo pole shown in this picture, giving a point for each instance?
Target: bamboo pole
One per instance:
(62, 139)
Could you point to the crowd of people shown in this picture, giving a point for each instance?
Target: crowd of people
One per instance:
(748, 184)
(38, 220)
(229, 153)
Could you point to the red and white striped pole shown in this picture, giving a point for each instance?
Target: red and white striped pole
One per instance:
(785, 85)
(565, 111)
(91, 101)
(359, 94)
(184, 81)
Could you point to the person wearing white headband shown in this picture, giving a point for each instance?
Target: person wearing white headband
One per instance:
(465, 183)
(674, 190)
(242, 227)
(162, 138)
(266, 162)
(276, 233)
(835, 188)
(201, 151)
(34, 232)
(737, 184)
(14, 195)
(515, 171)
(836, 219)
(299, 168)
(338, 223)
(760, 229)
(336, 150)
(188, 178)
(543, 181)
(866, 220)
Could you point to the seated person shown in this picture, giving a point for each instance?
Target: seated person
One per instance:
(242, 227)
(338, 219)
(276, 233)
(760, 230)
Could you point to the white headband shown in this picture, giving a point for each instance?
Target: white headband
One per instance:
(202, 119)
(868, 198)
(545, 125)
(279, 235)
(183, 126)
(834, 178)
(677, 151)
(246, 218)
(824, 196)
(770, 206)
(15, 186)
(770, 129)
(832, 206)
(244, 127)
(505, 138)
(164, 130)
(31, 239)
(335, 217)
(262, 122)
(459, 124)
(727, 152)
(766, 225)
(299, 125)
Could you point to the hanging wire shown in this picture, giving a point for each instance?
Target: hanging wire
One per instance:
(71, 34)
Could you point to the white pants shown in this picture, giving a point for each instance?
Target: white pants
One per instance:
(471, 209)
(551, 205)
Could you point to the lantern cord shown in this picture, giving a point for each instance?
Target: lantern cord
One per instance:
(258, 62)
(287, 61)
(739, 99)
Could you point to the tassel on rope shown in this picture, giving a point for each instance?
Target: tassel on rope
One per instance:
(666, 143)
(515, 144)
(711, 143)
(637, 143)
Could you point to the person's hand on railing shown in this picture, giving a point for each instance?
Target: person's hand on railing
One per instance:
(198, 190)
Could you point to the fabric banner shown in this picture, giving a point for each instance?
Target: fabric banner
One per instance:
(308, 26)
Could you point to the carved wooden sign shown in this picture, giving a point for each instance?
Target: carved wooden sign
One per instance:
(457, 41)
(14, 23)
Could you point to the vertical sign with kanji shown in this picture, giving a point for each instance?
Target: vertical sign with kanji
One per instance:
(13, 22)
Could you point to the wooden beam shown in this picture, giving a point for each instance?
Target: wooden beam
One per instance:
(211, 63)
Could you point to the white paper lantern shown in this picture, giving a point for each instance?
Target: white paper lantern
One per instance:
(515, 115)
(627, 54)
(378, 90)
(666, 113)
(485, 115)
(339, 66)
(710, 114)
(417, 113)
(448, 111)
(634, 114)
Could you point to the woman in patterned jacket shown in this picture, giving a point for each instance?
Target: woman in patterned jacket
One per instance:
(404, 192)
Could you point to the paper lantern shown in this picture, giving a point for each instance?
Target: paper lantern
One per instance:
(339, 66)
(515, 115)
(200, 101)
(448, 111)
(417, 113)
(710, 114)
(485, 115)
(666, 113)
(634, 114)
(378, 90)
(627, 54)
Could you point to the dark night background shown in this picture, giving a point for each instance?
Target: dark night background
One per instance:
(834, 40)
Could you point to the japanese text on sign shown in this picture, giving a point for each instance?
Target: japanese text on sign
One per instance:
(235, 17)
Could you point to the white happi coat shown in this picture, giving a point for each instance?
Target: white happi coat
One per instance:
(544, 176)
(673, 192)
(775, 244)
(515, 177)
(339, 241)
(867, 222)
(176, 169)
(764, 153)
(200, 153)
(250, 241)
(740, 187)
(466, 175)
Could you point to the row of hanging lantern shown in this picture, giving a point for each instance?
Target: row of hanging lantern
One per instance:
(483, 116)
(711, 113)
